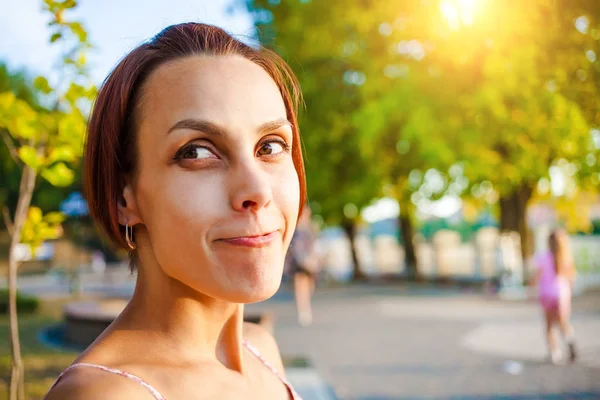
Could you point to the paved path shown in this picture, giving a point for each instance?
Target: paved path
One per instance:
(404, 342)
(399, 342)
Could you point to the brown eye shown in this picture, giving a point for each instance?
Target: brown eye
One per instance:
(194, 152)
(271, 148)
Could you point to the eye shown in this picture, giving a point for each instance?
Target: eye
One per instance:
(272, 147)
(194, 152)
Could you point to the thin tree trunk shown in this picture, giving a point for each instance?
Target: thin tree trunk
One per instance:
(350, 229)
(407, 234)
(410, 255)
(28, 176)
(513, 217)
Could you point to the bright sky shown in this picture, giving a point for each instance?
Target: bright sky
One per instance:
(114, 27)
(387, 207)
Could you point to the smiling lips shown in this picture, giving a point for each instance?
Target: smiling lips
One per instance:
(252, 241)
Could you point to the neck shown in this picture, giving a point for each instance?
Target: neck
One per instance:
(182, 324)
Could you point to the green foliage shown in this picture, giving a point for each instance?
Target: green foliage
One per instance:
(25, 304)
(42, 84)
(39, 227)
(58, 174)
(396, 89)
(517, 118)
(49, 140)
(18, 83)
(29, 156)
(46, 196)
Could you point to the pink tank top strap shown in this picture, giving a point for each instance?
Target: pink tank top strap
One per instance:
(156, 393)
(254, 350)
(126, 374)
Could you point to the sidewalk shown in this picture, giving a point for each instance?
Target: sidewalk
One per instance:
(401, 342)
(412, 341)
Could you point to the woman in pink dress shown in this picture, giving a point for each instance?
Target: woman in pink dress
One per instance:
(555, 278)
(193, 163)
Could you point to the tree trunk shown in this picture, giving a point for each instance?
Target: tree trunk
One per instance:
(350, 229)
(407, 233)
(513, 209)
(28, 176)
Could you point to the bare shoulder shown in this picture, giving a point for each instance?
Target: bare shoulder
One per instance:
(266, 344)
(86, 383)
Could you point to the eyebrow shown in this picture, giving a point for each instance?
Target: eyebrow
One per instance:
(213, 129)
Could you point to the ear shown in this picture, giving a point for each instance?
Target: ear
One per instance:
(128, 210)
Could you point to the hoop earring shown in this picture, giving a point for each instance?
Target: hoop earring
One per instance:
(129, 236)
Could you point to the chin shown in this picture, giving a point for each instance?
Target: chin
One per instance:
(256, 290)
(249, 277)
(236, 276)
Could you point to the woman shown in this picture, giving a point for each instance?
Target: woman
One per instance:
(193, 162)
(555, 279)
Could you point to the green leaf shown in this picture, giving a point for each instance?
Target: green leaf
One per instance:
(7, 99)
(29, 156)
(78, 31)
(59, 175)
(71, 129)
(34, 215)
(18, 117)
(50, 4)
(91, 93)
(74, 93)
(39, 228)
(42, 84)
(49, 232)
(62, 153)
(22, 127)
(55, 37)
(54, 217)
(69, 4)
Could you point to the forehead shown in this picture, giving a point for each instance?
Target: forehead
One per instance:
(222, 89)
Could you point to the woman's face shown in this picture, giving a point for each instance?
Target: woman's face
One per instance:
(216, 191)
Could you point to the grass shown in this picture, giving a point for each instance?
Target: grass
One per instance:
(42, 364)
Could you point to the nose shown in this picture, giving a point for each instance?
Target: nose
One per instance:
(250, 188)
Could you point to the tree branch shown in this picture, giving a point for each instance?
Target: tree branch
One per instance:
(8, 221)
(11, 147)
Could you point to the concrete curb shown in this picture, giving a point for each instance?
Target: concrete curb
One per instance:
(309, 384)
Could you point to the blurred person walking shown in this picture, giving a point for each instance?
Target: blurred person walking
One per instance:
(555, 279)
(304, 263)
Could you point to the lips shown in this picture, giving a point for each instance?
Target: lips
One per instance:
(252, 241)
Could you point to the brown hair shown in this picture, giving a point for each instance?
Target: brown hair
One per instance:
(561, 253)
(111, 154)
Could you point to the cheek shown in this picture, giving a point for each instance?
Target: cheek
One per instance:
(287, 195)
(178, 208)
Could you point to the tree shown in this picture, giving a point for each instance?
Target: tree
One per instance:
(44, 141)
(501, 94)
(360, 104)
(492, 91)
(513, 68)
(405, 134)
(46, 196)
(17, 83)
